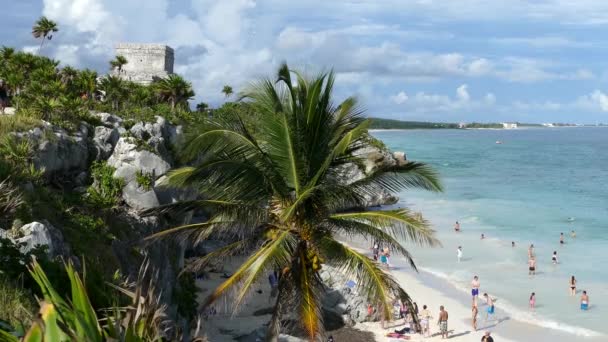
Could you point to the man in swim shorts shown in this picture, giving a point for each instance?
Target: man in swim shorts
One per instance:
(532, 266)
(584, 301)
(475, 289)
(457, 227)
(443, 322)
(561, 238)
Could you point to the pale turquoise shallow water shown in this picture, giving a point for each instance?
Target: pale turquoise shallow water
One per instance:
(523, 190)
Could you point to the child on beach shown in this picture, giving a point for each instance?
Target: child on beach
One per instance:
(490, 303)
(532, 301)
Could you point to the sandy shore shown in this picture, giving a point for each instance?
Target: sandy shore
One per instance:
(459, 322)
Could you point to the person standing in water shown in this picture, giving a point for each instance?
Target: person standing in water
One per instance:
(573, 234)
(532, 301)
(459, 253)
(483, 236)
(513, 244)
(584, 301)
(561, 238)
(531, 251)
(532, 266)
(457, 227)
(572, 286)
(443, 322)
(475, 289)
(490, 303)
(554, 258)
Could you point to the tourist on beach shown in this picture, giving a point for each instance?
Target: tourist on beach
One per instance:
(532, 301)
(532, 266)
(443, 322)
(376, 251)
(561, 238)
(531, 251)
(490, 303)
(512, 243)
(584, 301)
(475, 289)
(573, 234)
(457, 227)
(482, 236)
(384, 259)
(273, 279)
(425, 319)
(572, 286)
(459, 253)
(474, 313)
(554, 258)
(486, 337)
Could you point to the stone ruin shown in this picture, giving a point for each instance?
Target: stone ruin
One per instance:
(145, 62)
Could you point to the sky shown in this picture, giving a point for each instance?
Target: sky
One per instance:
(429, 60)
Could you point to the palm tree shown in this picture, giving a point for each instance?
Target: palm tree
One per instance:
(118, 62)
(43, 29)
(174, 89)
(202, 107)
(227, 90)
(282, 198)
(113, 90)
(87, 83)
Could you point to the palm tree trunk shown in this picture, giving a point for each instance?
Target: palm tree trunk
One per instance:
(274, 327)
(42, 42)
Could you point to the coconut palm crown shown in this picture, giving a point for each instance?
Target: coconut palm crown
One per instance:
(174, 89)
(283, 199)
(43, 29)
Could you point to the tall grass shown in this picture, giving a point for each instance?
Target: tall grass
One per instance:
(16, 304)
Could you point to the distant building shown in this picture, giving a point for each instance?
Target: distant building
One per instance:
(509, 125)
(462, 125)
(548, 125)
(145, 62)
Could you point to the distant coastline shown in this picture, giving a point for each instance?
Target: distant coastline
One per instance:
(380, 124)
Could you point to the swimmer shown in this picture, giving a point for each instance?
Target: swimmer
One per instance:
(531, 251)
(561, 238)
(573, 234)
(513, 244)
(457, 227)
(554, 258)
(584, 301)
(482, 236)
(532, 266)
(459, 253)
(572, 286)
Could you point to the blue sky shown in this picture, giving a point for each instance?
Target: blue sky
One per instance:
(432, 60)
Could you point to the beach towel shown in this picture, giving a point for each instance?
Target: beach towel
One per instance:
(399, 336)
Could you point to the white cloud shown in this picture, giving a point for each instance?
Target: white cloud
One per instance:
(400, 98)
(462, 93)
(597, 100)
(490, 98)
(542, 42)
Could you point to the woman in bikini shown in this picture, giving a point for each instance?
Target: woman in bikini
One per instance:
(573, 286)
(532, 301)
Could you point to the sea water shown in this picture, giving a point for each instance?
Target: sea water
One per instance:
(528, 189)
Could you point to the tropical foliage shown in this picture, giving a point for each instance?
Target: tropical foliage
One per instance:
(227, 90)
(175, 90)
(281, 196)
(44, 29)
(118, 62)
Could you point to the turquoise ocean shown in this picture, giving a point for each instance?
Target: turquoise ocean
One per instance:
(537, 183)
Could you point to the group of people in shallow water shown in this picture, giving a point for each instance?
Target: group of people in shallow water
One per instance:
(532, 268)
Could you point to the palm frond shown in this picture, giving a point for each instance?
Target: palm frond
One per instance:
(275, 252)
(400, 222)
(411, 175)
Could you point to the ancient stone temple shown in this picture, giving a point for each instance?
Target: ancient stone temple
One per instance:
(145, 62)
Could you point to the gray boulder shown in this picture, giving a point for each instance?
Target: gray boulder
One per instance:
(104, 141)
(109, 120)
(400, 157)
(57, 152)
(41, 234)
(127, 160)
(138, 198)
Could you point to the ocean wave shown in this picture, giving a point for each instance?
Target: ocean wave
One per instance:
(515, 313)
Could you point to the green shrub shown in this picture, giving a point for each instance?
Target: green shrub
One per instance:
(145, 180)
(184, 295)
(16, 157)
(105, 190)
(11, 200)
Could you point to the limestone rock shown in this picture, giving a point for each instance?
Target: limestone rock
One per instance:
(138, 198)
(104, 141)
(127, 160)
(58, 152)
(43, 234)
(109, 120)
(400, 157)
